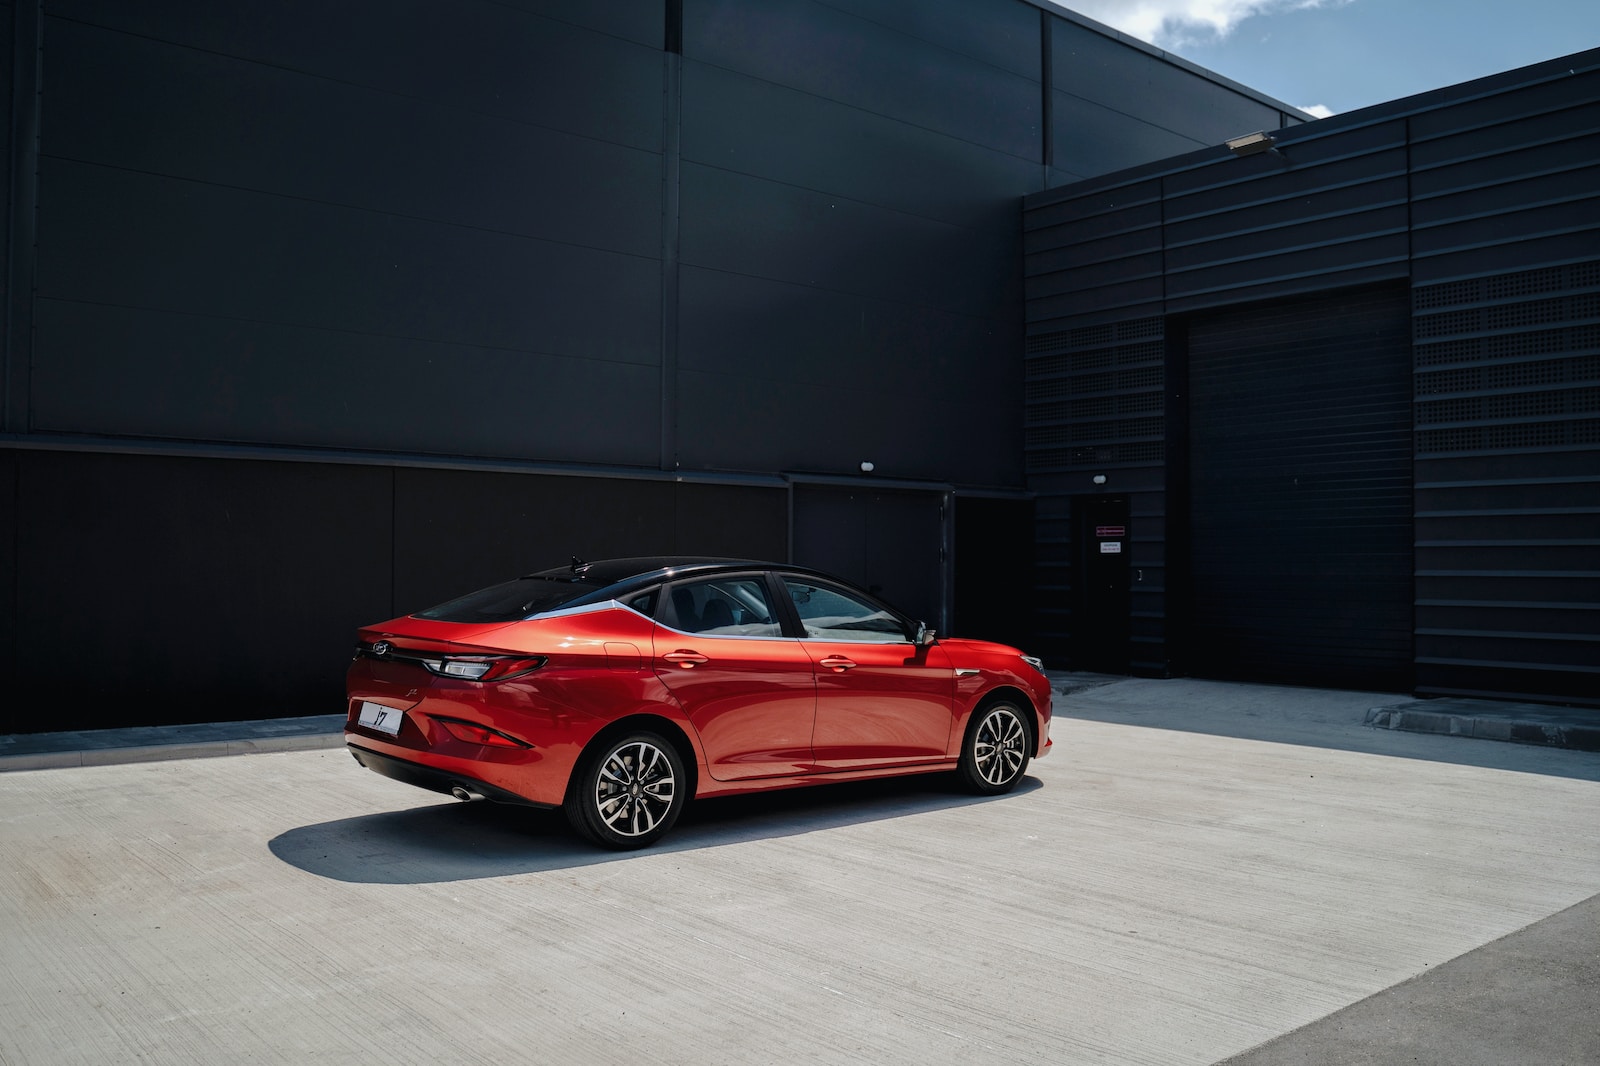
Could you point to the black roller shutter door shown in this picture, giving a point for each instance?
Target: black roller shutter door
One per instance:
(1301, 492)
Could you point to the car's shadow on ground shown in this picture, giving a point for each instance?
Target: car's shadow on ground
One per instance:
(452, 841)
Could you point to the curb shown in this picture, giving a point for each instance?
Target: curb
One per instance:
(1487, 721)
(110, 747)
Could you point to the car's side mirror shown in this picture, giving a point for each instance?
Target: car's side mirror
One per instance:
(924, 637)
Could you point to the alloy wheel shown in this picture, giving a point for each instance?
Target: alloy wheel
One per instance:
(1000, 746)
(635, 788)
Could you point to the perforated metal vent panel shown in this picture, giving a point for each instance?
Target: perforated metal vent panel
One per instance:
(1507, 387)
(1094, 396)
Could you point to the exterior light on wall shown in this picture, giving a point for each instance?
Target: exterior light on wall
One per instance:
(867, 467)
(1099, 479)
(1252, 144)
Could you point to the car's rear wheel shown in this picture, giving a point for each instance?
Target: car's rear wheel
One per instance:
(996, 749)
(629, 792)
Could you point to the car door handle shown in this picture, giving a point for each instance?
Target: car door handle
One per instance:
(837, 663)
(684, 658)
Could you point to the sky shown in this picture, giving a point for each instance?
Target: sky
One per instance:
(1331, 56)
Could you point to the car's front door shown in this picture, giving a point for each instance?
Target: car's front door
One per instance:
(749, 691)
(882, 700)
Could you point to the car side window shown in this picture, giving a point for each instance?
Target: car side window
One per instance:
(722, 607)
(644, 602)
(828, 613)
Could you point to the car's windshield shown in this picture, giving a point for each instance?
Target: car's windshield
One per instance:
(511, 600)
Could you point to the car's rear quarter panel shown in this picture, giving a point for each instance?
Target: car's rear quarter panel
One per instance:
(597, 672)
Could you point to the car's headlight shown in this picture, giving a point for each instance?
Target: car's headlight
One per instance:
(1037, 664)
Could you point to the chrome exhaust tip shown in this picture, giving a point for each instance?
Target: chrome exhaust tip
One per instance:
(465, 795)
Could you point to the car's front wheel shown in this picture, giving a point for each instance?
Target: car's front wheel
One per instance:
(996, 749)
(628, 792)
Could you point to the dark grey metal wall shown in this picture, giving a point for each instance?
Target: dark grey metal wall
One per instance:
(849, 174)
(669, 250)
(1482, 200)
(331, 226)
(159, 588)
(357, 226)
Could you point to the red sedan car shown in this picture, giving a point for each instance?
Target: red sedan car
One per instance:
(618, 690)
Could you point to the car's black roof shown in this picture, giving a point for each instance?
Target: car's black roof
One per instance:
(580, 583)
(607, 578)
(612, 571)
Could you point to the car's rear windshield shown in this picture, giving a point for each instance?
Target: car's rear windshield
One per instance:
(511, 600)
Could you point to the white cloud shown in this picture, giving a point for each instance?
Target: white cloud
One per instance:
(1319, 111)
(1171, 23)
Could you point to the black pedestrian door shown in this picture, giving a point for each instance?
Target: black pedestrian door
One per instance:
(1100, 619)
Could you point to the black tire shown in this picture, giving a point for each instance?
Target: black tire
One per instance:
(995, 752)
(628, 792)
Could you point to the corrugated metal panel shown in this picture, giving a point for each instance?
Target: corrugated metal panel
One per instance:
(1314, 215)
(1094, 259)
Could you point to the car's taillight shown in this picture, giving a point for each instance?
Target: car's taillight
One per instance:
(480, 667)
(477, 734)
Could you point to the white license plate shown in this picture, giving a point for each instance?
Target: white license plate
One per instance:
(383, 719)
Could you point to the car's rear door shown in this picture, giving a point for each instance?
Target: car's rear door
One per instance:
(748, 689)
(882, 700)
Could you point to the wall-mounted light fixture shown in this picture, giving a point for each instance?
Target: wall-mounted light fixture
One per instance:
(866, 467)
(1252, 144)
(1099, 479)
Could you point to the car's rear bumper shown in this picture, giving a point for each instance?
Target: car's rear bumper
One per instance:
(436, 780)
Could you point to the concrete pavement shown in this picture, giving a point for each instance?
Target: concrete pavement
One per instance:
(1198, 871)
(1529, 997)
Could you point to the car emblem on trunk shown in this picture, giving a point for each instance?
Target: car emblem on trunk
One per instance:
(380, 649)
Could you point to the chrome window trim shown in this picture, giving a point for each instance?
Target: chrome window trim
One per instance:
(586, 608)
